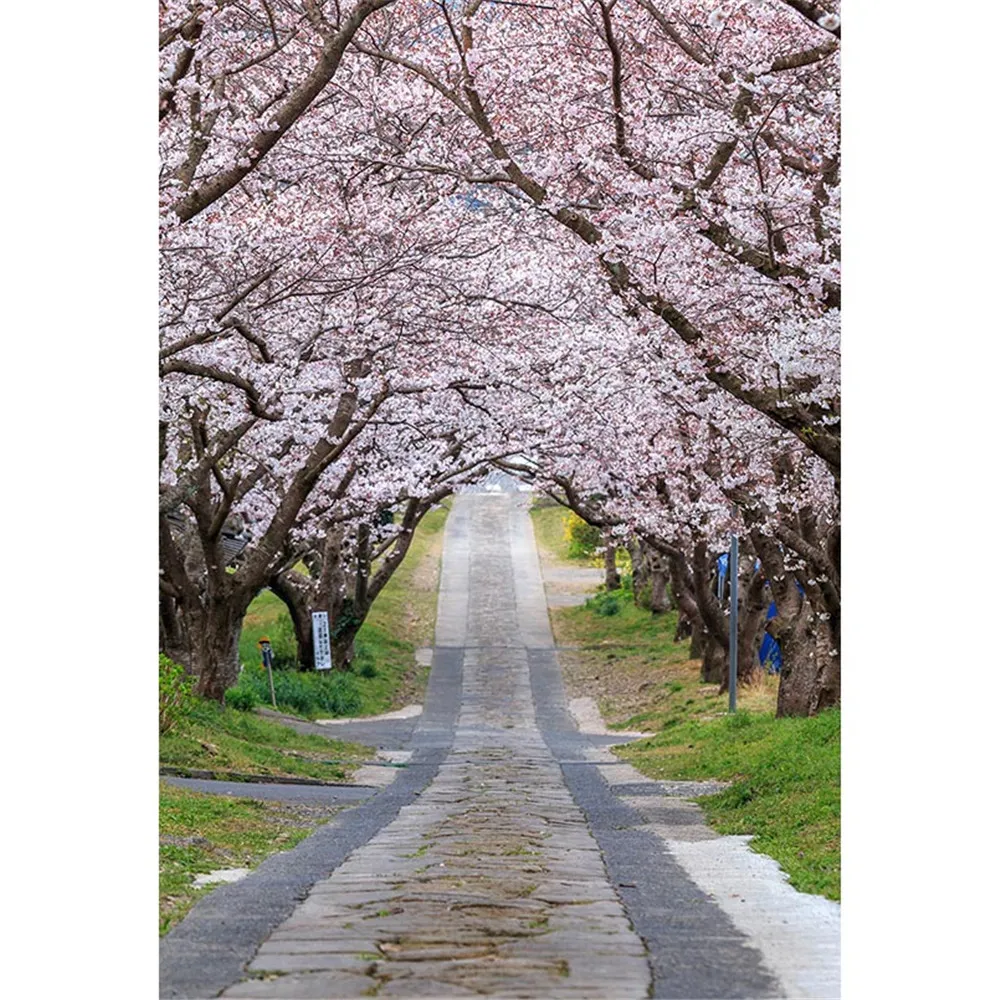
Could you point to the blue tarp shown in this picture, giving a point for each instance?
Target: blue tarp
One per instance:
(770, 649)
(770, 654)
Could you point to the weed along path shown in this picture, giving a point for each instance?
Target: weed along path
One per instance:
(512, 856)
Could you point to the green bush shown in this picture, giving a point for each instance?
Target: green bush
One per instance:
(176, 693)
(363, 663)
(331, 693)
(583, 538)
(244, 699)
(604, 605)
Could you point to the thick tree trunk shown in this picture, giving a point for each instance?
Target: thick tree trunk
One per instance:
(698, 635)
(342, 647)
(659, 596)
(173, 635)
(203, 636)
(213, 655)
(640, 573)
(752, 618)
(302, 623)
(612, 578)
(714, 661)
(683, 629)
(810, 668)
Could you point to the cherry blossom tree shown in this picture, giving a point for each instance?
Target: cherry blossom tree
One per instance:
(592, 239)
(692, 149)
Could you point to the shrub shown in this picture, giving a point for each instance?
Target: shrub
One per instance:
(176, 693)
(364, 662)
(604, 605)
(244, 699)
(583, 538)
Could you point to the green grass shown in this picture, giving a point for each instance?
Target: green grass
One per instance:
(401, 619)
(631, 627)
(267, 615)
(329, 694)
(214, 738)
(201, 833)
(785, 773)
(785, 791)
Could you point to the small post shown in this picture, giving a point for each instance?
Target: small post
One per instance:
(266, 655)
(734, 607)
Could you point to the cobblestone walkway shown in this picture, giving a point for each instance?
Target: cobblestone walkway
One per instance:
(490, 881)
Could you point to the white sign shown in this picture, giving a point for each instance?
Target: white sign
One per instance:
(321, 640)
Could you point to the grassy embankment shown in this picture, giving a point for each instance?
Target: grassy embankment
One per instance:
(785, 773)
(201, 833)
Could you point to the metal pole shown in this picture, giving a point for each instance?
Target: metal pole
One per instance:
(270, 677)
(734, 607)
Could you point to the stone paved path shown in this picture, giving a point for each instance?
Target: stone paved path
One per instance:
(490, 882)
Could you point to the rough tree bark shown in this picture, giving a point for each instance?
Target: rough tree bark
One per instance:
(612, 578)
(659, 596)
(807, 624)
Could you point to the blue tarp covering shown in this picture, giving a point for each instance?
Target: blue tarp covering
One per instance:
(770, 649)
(770, 654)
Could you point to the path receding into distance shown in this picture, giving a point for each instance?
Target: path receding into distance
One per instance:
(513, 856)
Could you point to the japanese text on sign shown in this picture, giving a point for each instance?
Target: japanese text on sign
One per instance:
(321, 640)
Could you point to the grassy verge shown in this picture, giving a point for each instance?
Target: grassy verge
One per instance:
(210, 737)
(785, 790)
(549, 521)
(384, 674)
(785, 773)
(201, 833)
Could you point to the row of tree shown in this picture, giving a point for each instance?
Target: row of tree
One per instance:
(592, 242)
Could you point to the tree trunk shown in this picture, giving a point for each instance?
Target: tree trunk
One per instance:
(697, 642)
(640, 573)
(683, 630)
(802, 563)
(203, 635)
(173, 636)
(342, 647)
(714, 661)
(612, 579)
(810, 668)
(754, 602)
(213, 654)
(302, 623)
(659, 596)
